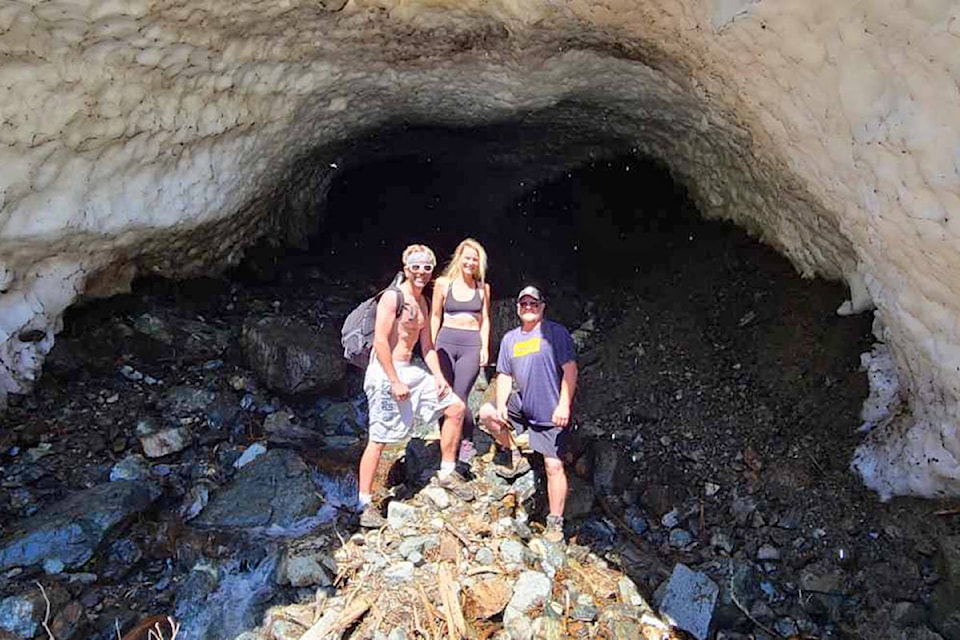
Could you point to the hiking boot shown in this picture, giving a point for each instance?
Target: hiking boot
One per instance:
(554, 529)
(455, 484)
(467, 451)
(370, 518)
(517, 469)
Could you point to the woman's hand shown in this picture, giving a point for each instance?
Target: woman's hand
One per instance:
(484, 356)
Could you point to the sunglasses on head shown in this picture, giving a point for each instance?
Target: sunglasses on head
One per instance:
(420, 267)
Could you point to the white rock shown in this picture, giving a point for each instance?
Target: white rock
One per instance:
(166, 441)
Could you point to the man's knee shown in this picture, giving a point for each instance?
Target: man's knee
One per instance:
(455, 411)
(553, 466)
(375, 448)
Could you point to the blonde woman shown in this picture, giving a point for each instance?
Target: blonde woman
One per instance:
(460, 326)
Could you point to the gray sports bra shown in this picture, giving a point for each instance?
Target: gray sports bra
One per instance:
(452, 305)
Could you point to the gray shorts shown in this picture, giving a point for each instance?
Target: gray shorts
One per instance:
(548, 441)
(391, 421)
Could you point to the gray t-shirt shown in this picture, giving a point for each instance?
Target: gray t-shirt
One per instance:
(534, 360)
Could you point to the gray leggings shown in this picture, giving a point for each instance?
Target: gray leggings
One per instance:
(459, 352)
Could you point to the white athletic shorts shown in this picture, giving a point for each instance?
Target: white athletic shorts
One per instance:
(391, 421)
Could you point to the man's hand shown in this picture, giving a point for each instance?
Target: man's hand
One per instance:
(399, 390)
(503, 416)
(561, 415)
(443, 388)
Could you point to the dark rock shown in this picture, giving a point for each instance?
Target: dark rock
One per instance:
(72, 529)
(281, 427)
(580, 498)
(122, 557)
(199, 583)
(613, 468)
(275, 489)
(183, 400)
(66, 622)
(945, 604)
(291, 357)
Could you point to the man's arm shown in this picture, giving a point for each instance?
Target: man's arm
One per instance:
(568, 387)
(382, 328)
(433, 361)
(504, 387)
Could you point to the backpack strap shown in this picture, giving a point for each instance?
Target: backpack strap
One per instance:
(400, 302)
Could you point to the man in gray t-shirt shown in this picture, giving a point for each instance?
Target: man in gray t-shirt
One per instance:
(540, 357)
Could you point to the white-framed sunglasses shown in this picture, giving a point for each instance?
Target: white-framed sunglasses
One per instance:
(420, 267)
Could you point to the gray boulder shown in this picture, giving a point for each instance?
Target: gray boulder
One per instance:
(275, 489)
(292, 357)
(71, 530)
(689, 600)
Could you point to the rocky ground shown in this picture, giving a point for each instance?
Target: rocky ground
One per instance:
(189, 452)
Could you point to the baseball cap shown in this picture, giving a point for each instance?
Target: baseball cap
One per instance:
(530, 291)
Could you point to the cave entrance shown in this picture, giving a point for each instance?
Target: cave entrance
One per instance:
(723, 379)
(702, 345)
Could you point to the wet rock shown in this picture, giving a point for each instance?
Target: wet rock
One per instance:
(282, 427)
(251, 453)
(72, 529)
(199, 583)
(132, 467)
(945, 604)
(21, 615)
(275, 489)
(291, 357)
(689, 600)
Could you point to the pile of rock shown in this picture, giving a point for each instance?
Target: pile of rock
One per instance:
(445, 568)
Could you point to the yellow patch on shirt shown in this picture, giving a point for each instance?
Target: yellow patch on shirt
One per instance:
(526, 347)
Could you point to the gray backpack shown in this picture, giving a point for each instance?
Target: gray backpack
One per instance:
(356, 335)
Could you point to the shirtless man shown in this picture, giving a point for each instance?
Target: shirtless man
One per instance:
(398, 390)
